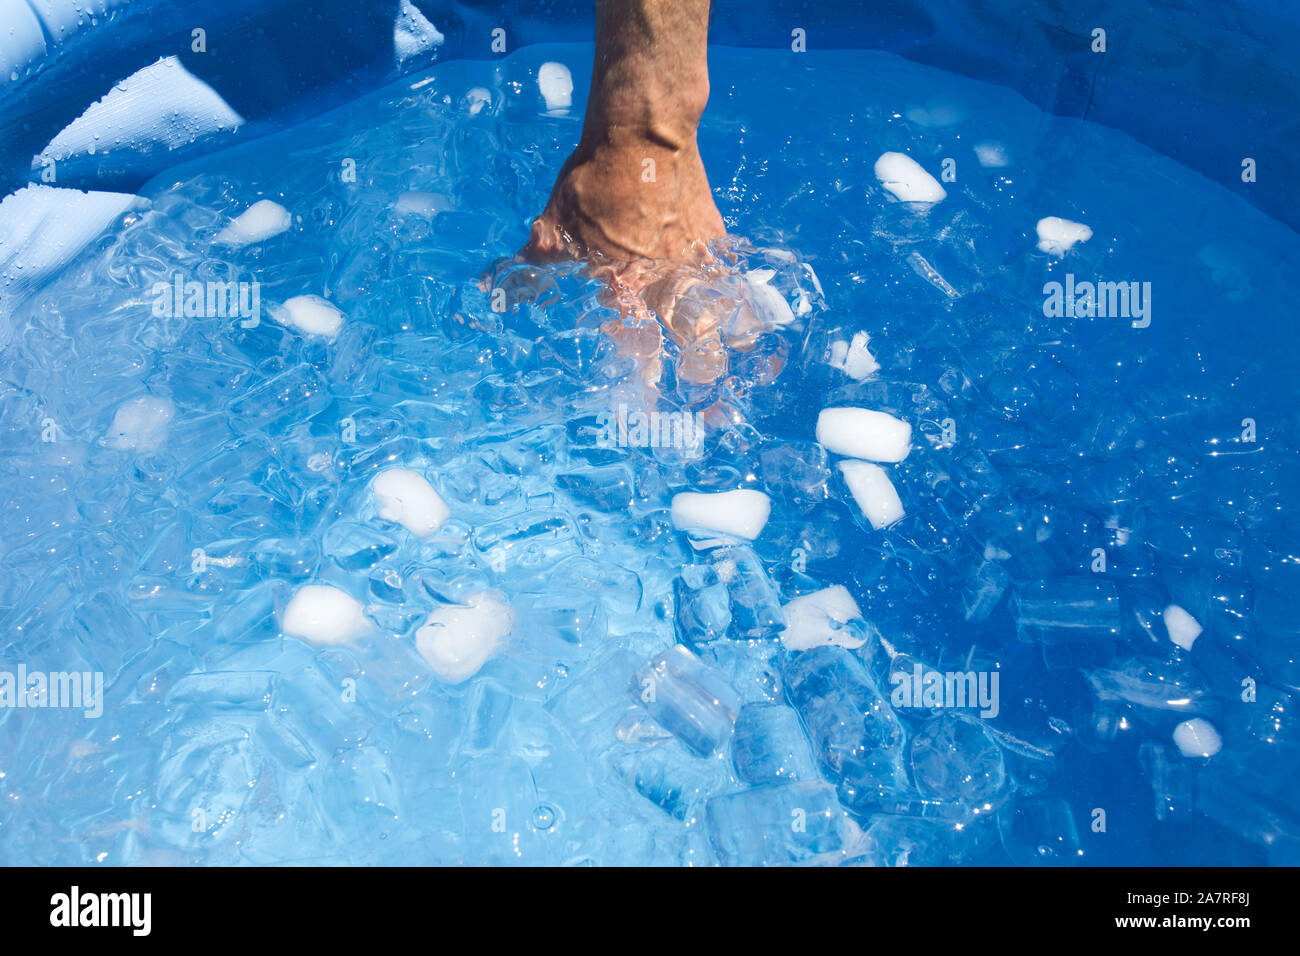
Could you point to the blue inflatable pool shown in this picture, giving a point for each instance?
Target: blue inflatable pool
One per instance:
(334, 534)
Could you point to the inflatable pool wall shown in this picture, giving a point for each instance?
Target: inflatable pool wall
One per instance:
(104, 94)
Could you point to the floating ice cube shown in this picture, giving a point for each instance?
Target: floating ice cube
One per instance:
(741, 513)
(777, 825)
(754, 599)
(415, 203)
(688, 698)
(1197, 738)
(703, 605)
(903, 176)
(769, 745)
(322, 615)
(1152, 685)
(873, 491)
(853, 358)
(863, 433)
(1182, 627)
(983, 590)
(672, 777)
(770, 305)
(1039, 831)
(731, 597)
(855, 734)
(476, 99)
(141, 424)
(260, 221)
(954, 758)
(457, 640)
(311, 315)
(556, 83)
(936, 113)
(991, 154)
(1078, 603)
(1076, 619)
(921, 266)
(406, 497)
(1058, 236)
(822, 619)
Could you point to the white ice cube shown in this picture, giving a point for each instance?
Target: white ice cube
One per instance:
(476, 99)
(854, 358)
(258, 222)
(769, 304)
(322, 615)
(1182, 627)
(873, 491)
(141, 424)
(818, 619)
(457, 640)
(991, 154)
(903, 176)
(863, 433)
(556, 83)
(1197, 738)
(310, 314)
(741, 513)
(406, 497)
(1057, 236)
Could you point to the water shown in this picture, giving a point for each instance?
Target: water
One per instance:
(173, 480)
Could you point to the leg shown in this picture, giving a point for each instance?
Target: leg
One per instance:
(635, 187)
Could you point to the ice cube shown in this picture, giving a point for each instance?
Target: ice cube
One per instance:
(829, 617)
(691, 700)
(672, 777)
(1182, 628)
(991, 154)
(1057, 236)
(311, 315)
(741, 513)
(796, 472)
(854, 358)
(141, 423)
(258, 222)
(556, 85)
(863, 433)
(321, 615)
(406, 497)
(1197, 738)
(1039, 831)
(778, 825)
(457, 640)
(769, 745)
(955, 759)
(855, 735)
(906, 180)
(1151, 685)
(1075, 619)
(703, 605)
(873, 491)
(755, 603)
